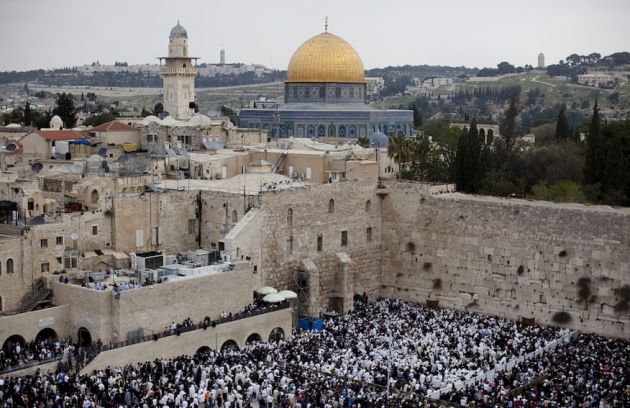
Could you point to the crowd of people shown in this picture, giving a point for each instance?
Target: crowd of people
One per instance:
(591, 371)
(16, 355)
(388, 353)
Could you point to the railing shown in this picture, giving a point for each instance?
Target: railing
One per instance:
(178, 71)
(181, 330)
(39, 293)
(10, 369)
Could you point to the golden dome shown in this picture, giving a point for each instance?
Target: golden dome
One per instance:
(325, 58)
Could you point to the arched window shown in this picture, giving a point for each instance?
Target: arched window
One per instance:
(331, 206)
(368, 206)
(9, 265)
(290, 216)
(234, 216)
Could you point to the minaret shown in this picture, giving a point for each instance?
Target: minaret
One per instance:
(178, 75)
(222, 55)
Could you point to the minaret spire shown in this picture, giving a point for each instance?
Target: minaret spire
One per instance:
(326, 24)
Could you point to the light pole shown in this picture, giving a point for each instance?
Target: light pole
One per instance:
(389, 360)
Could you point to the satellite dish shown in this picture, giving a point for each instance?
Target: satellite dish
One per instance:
(11, 147)
(37, 167)
(74, 236)
(102, 151)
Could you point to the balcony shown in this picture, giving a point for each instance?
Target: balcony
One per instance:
(190, 71)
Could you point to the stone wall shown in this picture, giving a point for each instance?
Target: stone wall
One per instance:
(507, 257)
(152, 308)
(188, 343)
(13, 285)
(217, 211)
(290, 240)
(28, 325)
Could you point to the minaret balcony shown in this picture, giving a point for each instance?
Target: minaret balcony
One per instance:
(178, 71)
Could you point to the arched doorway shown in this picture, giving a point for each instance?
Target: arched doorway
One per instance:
(11, 343)
(46, 334)
(84, 337)
(253, 338)
(94, 196)
(332, 131)
(276, 335)
(203, 350)
(229, 345)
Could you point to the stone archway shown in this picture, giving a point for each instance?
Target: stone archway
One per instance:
(229, 345)
(11, 342)
(203, 349)
(45, 334)
(253, 338)
(276, 335)
(84, 338)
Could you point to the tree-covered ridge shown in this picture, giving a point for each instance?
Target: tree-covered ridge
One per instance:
(71, 77)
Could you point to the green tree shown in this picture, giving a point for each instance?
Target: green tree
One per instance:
(65, 110)
(399, 150)
(615, 178)
(563, 129)
(507, 127)
(417, 115)
(468, 174)
(99, 119)
(363, 141)
(158, 108)
(592, 157)
(28, 117)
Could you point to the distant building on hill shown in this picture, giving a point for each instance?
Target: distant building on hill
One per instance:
(541, 61)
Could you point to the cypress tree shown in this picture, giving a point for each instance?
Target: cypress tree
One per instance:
(28, 115)
(592, 156)
(460, 170)
(563, 129)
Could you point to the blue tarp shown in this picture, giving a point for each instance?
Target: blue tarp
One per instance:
(81, 141)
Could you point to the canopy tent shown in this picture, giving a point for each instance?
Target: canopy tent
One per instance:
(266, 290)
(288, 294)
(273, 298)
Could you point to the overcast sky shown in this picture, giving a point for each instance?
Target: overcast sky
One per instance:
(49, 33)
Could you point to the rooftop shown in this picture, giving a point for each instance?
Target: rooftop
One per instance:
(113, 126)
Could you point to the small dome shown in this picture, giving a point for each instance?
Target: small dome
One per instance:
(379, 139)
(178, 31)
(56, 122)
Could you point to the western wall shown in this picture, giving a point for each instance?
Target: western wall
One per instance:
(508, 257)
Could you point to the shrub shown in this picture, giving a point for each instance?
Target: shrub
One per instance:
(561, 318)
(437, 284)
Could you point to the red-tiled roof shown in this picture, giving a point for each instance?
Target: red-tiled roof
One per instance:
(113, 126)
(60, 134)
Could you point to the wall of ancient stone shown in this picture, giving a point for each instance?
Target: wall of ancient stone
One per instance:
(508, 257)
(288, 240)
(12, 285)
(152, 308)
(28, 325)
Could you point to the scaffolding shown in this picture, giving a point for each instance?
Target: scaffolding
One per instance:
(300, 285)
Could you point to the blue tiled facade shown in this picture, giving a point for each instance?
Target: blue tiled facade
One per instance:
(320, 122)
(329, 92)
